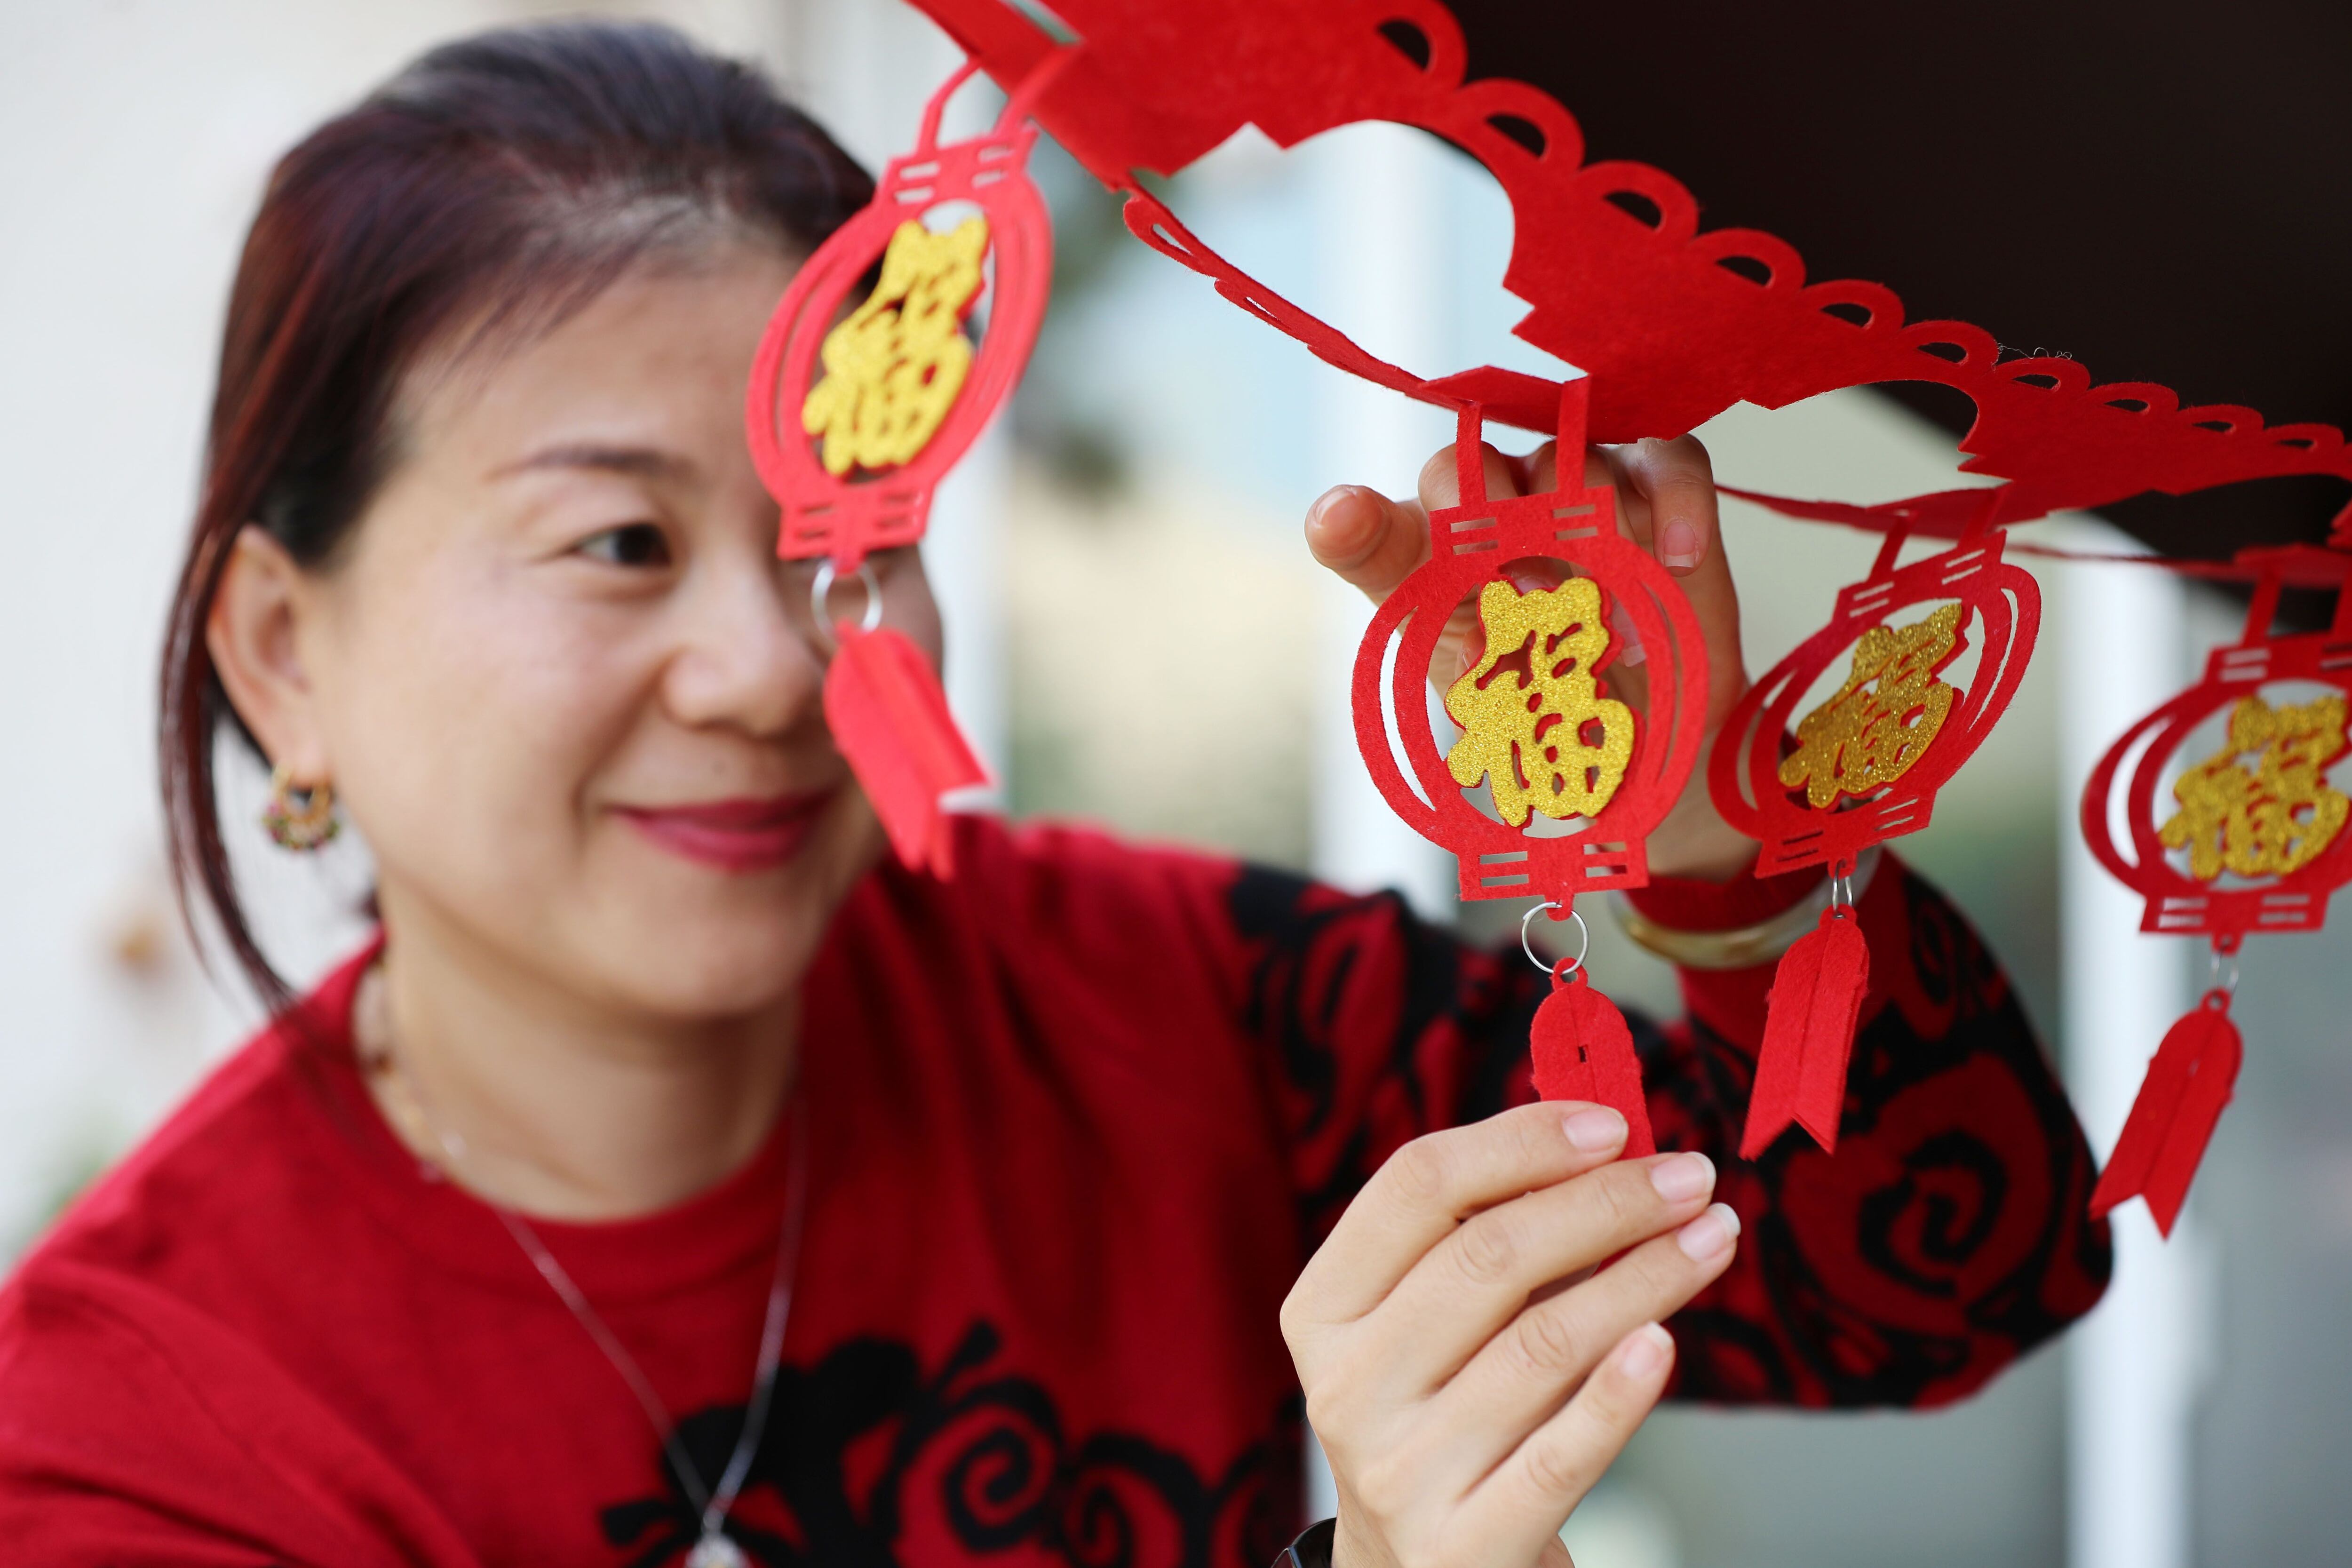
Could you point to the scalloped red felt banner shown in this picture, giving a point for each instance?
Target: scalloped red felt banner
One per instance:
(1672, 324)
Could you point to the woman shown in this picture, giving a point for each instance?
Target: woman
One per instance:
(677, 1180)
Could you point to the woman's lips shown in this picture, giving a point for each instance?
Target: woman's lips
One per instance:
(733, 835)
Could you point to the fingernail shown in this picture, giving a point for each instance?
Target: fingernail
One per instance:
(1595, 1130)
(1646, 1350)
(1323, 502)
(1683, 1177)
(1710, 1236)
(1679, 546)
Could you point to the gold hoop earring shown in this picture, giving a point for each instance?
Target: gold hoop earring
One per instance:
(299, 818)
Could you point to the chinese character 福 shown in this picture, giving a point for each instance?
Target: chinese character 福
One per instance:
(2270, 819)
(894, 365)
(1872, 728)
(1533, 719)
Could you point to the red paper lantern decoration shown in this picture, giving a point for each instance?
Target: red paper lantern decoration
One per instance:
(1862, 767)
(853, 418)
(1540, 730)
(1618, 773)
(847, 512)
(2253, 840)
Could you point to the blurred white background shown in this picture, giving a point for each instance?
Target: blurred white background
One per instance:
(1137, 637)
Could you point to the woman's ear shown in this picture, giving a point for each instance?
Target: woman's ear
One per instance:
(252, 636)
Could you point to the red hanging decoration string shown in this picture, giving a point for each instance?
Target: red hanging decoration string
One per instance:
(1943, 515)
(1674, 323)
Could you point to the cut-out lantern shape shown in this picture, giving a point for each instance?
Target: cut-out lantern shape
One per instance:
(1577, 779)
(1861, 766)
(2251, 836)
(1540, 729)
(856, 412)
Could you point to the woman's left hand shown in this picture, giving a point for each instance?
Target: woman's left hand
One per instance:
(1667, 504)
(1468, 1371)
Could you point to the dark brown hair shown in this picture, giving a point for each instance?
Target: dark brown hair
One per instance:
(497, 182)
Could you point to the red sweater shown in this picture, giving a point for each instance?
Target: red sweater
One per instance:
(1077, 1120)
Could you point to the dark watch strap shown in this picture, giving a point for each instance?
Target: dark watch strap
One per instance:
(1312, 1550)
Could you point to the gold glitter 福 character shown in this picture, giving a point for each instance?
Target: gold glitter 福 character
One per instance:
(1874, 727)
(1545, 736)
(894, 365)
(2275, 817)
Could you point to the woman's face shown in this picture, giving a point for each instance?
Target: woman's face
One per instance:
(562, 682)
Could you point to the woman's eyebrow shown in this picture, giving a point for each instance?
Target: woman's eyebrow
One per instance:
(643, 462)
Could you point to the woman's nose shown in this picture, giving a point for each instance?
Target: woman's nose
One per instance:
(744, 660)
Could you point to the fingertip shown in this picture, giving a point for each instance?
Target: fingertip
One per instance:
(1686, 452)
(1710, 1237)
(1594, 1129)
(1653, 465)
(1678, 1178)
(1322, 503)
(1343, 524)
(1319, 510)
(1643, 1355)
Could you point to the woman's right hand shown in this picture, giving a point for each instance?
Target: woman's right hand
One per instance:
(1469, 1374)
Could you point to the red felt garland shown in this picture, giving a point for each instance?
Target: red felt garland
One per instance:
(1670, 326)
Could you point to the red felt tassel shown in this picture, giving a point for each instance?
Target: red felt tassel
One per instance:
(1582, 1050)
(890, 719)
(1809, 1034)
(2188, 1083)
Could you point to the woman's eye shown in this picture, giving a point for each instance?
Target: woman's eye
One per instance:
(631, 544)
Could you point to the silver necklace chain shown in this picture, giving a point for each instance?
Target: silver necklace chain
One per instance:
(712, 1549)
